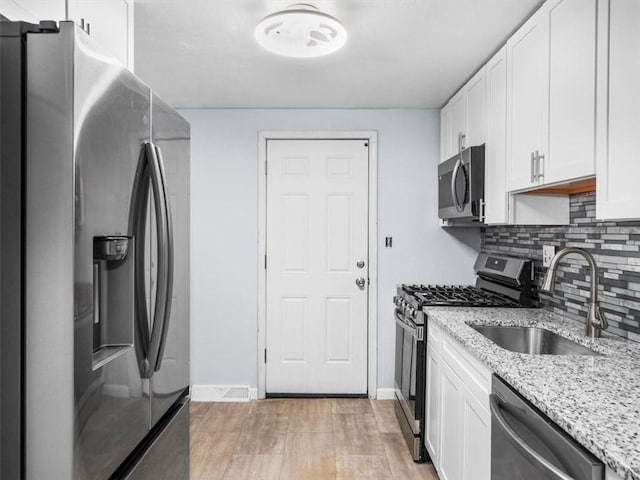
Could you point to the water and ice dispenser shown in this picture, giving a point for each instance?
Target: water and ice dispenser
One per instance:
(113, 297)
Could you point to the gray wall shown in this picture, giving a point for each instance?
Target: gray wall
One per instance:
(615, 246)
(224, 203)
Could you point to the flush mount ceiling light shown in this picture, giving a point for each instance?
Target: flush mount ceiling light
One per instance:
(300, 31)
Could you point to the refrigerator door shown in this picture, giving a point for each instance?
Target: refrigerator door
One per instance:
(171, 136)
(12, 48)
(111, 121)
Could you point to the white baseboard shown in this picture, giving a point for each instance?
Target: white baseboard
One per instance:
(223, 393)
(244, 393)
(385, 394)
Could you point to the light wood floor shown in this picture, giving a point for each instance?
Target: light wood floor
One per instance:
(300, 439)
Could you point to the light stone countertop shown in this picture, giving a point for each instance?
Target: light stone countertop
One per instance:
(595, 399)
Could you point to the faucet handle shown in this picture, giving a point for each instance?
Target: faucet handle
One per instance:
(601, 319)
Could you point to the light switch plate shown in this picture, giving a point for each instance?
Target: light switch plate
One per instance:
(548, 252)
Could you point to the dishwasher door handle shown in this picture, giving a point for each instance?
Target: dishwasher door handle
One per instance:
(524, 447)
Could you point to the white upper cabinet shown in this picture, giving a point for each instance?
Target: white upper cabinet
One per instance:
(33, 11)
(445, 133)
(495, 164)
(570, 150)
(458, 112)
(463, 119)
(618, 195)
(551, 95)
(476, 131)
(526, 73)
(110, 23)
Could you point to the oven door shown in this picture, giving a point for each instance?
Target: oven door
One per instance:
(410, 381)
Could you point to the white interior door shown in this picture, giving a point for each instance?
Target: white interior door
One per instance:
(317, 248)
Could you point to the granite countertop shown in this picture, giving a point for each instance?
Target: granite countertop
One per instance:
(595, 399)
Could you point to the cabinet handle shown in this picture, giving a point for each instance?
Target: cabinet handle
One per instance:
(533, 168)
(462, 139)
(539, 166)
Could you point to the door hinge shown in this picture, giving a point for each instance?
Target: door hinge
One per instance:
(265, 261)
(266, 167)
(265, 355)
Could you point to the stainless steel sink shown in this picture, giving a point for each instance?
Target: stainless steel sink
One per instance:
(531, 340)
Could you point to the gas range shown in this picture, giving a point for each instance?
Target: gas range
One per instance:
(501, 282)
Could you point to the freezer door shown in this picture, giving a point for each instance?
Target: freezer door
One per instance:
(167, 455)
(171, 134)
(111, 122)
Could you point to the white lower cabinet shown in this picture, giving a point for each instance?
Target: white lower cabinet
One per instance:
(451, 441)
(458, 430)
(476, 439)
(434, 380)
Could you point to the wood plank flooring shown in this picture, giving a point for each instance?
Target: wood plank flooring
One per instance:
(300, 439)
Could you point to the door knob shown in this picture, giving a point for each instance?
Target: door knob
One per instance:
(361, 282)
(360, 264)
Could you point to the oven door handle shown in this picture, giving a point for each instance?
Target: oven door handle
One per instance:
(521, 445)
(415, 331)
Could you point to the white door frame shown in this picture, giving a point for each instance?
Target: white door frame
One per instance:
(370, 136)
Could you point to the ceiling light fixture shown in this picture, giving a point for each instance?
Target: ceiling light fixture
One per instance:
(301, 31)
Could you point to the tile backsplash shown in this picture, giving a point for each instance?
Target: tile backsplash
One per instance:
(615, 247)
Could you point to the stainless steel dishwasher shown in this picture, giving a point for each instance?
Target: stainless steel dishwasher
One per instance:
(526, 445)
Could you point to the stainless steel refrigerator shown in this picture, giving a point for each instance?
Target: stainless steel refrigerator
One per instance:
(94, 257)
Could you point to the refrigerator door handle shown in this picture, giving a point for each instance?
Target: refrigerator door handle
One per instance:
(162, 300)
(137, 228)
(149, 338)
(168, 295)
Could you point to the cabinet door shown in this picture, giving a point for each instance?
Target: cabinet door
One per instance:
(434, 382)
(476, 112)
(495, 165)
(109, 25)
(445, 133)
(33, 11)
(618, 110)
(570, 152)
(458, 114)
(475, 439)
(526, 98)
(451, 408)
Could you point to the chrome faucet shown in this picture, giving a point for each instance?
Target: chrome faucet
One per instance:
(596, 321)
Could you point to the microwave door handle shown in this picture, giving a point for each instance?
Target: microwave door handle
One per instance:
(522, 446)
(454, 193)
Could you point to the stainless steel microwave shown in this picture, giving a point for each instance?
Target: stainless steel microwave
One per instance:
(461, 186)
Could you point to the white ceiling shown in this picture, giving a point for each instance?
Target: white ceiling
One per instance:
(400, 53)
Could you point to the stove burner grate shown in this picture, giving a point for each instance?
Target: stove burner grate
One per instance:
(457, 295)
